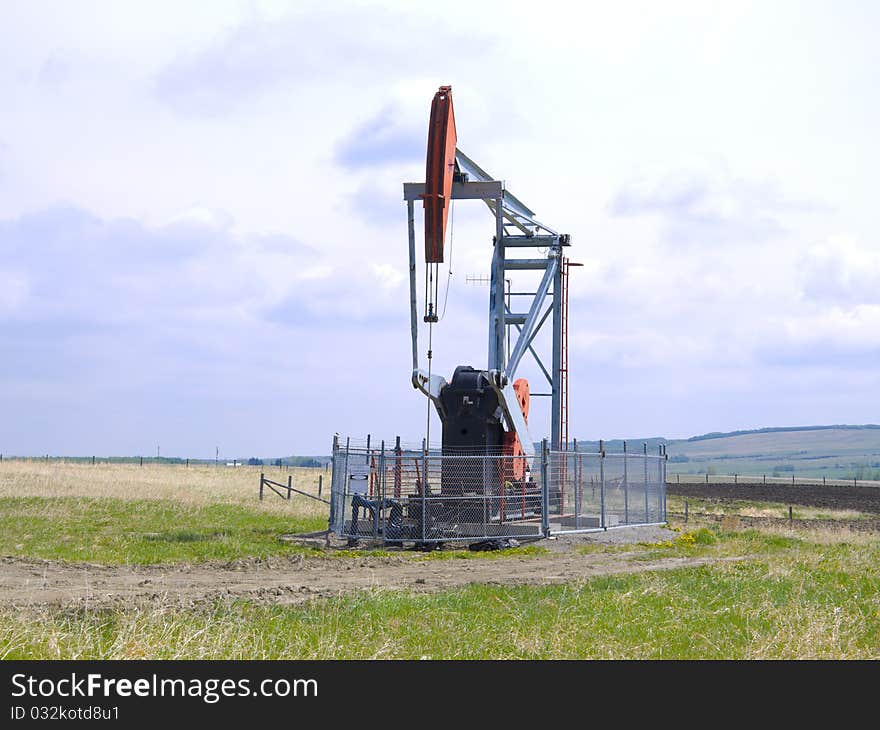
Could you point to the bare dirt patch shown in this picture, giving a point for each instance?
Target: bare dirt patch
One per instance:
(293, 579)
(856, 498)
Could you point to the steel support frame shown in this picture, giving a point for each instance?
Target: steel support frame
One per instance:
(508, 212)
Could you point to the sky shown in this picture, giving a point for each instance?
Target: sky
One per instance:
(203, 241)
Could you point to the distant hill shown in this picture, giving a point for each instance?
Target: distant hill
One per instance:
(616, 445)
(838, 452)
(782, 429)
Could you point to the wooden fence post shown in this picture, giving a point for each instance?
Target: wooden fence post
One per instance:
(320, 483)
(685, 511)
(262, 476)
(289, 485)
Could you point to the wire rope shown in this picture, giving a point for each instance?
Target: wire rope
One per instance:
(451, 236)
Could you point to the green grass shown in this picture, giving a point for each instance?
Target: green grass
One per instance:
(797, 600)
(709, 541)
(112, 530)
(144, 532)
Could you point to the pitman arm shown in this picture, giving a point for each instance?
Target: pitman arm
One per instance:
(430, 385)
(512, 413)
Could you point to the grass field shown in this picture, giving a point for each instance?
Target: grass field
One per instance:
(131, 514)
(751, 508)
(778, 593)
(202, 484)
(796, 597)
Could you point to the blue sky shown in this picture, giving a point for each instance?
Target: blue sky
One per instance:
(203, 239)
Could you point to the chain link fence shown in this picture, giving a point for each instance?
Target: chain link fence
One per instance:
(598, 491)
(396, 494)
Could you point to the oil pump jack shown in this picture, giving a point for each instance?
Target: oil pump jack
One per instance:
(485, 411)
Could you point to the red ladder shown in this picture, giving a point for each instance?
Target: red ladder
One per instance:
(563, 361)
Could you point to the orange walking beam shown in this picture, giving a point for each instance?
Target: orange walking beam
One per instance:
(438, 173)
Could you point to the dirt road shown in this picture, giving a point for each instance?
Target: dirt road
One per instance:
(291, 580)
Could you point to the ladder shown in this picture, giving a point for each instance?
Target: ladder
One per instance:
(563, 360)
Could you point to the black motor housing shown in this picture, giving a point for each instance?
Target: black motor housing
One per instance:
(472, 421)
(472, 425)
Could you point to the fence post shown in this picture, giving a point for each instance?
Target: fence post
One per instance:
(685, 511)
(790, 517)
(602, 479)
(289, 485)
(545, 491)
(345, 475)
(398, 468)
(578, 486)
(765, 479)
(661, 483)
(823, 481)
(330, 518)
(625, 486)
(320, 483)
(380, 493)
(425, 487)
(93, 460)
(645, 457)
(262, 476)
(735, 478)
(707, 476)
(663, 496)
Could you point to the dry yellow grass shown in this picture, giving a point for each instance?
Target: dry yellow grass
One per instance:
(192, 485)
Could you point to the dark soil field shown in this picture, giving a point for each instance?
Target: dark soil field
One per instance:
(857, 498)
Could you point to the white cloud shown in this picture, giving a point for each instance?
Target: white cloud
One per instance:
(14, 291)
(841, 269)
(232, 185)
(388, 276)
